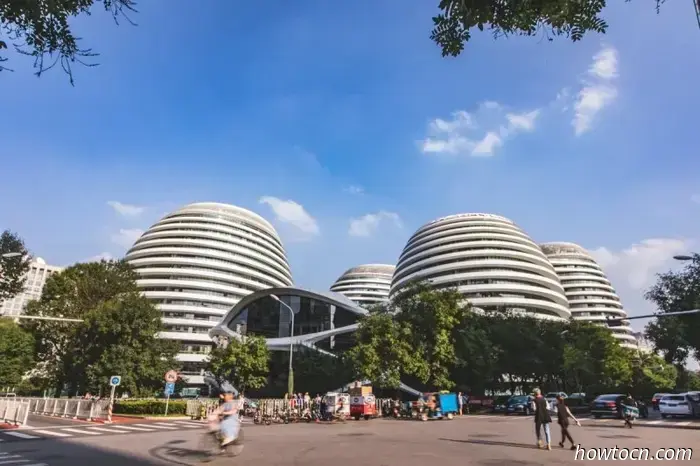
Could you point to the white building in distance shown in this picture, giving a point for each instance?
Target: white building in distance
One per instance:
(38, 272)
(489, 260)
(365, 285)
(591, 296)
(197, 263)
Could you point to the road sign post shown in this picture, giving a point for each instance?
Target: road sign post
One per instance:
(170, 379)
(114, 381)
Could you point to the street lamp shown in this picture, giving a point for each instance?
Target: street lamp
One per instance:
(290, 376)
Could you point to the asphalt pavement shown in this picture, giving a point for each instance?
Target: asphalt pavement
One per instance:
(473, 440)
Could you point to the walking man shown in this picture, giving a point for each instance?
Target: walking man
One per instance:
(460, 401)
(542, 420)
(563, 415)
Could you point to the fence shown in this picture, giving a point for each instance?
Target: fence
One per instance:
(14, 411)
(90, 410)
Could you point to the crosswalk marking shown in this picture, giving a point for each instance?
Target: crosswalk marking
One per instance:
(51, 432)
(157, 426)
(687, 423)
(190, 424)
(78, 431)
(102, 429)
(21, 435)
(136, 428)
(654, 422)
(167, 424)
(12, 459)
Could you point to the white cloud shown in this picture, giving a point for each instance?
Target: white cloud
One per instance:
(354, 189)
(127, 237)
(101, 256)
(294, 214)
(477, 134)
(127, 210)
(367, 224)
(598, 90)
(635, 267)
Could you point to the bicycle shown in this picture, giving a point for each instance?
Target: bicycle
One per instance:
(210, 446)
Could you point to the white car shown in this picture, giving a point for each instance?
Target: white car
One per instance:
(551, 397)
(674, 405)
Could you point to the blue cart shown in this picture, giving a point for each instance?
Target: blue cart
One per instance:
(439, 406)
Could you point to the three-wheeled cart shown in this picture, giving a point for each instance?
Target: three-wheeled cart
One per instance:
(439, 406)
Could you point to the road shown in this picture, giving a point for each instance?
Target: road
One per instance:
(474, 440)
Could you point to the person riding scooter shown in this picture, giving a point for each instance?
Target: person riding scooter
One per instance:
(229, 422)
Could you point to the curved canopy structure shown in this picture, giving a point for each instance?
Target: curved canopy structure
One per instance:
(322, 320)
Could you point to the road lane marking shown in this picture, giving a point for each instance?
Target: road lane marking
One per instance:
(190, 424)
(167, 424)
(687, 423)
(78, 431)
(9, 459)
(655, 422)
(157, 426)
(51, 432)
(136, 428)
(111, 431)
(20, 435)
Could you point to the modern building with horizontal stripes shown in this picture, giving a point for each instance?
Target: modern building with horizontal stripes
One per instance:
(367, 284)
(591, 296)
(197, 263)
(491, 261)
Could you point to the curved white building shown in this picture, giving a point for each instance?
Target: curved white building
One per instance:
(367, 284)
(488, 259)
(196, 263)
(590, 294)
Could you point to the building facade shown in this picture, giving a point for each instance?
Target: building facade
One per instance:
(197, 263)
(489, 260)
(590, 294)
(39, 272)
(366, 285)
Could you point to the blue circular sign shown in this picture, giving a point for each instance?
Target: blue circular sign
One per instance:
(116, 380)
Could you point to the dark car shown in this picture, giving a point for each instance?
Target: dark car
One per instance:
(499, 404)
(607, 405)
(519, 404)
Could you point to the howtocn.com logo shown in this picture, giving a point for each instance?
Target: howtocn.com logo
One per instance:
(633, 454)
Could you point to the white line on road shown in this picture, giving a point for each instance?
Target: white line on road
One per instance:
(655, 422)
(9, 459)
(78, 431)
(687, 423)
(157, 426)
(51, 432)
(167, 424)
(111, 431)
(20, 435)
(136, 428)
(190, 424)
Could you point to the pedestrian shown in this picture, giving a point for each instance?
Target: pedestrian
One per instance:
(542, 420)
(563, 415)
(460, 401)
(628, 407)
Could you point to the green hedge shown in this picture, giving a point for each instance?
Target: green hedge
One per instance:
(149, 407)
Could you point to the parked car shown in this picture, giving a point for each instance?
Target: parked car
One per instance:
(499, 404)
(655, 400)
(519, 404)
(675, 405)
(607, 405)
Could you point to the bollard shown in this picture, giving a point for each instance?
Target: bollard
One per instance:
(92, 408)
(77, 410)
(109, 413)
(65, 409)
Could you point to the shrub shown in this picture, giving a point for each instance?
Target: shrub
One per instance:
(149, 407)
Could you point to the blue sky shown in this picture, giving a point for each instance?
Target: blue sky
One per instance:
(348, 110)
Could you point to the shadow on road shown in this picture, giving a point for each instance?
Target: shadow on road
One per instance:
(171, 453)
(494, 443)
(63, 453)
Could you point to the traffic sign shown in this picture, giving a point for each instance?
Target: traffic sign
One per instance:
(169, 388)
(115, 380)
(171, 376)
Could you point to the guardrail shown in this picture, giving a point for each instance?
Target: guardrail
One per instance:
(14, 411)
(89, 410)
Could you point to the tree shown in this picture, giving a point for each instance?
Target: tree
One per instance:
(118, 331)
(677, 337)
(119, 337)
(569, 18)
(14, 264)
(41, 29)
(16, 353)
(413, 335)
(650, 374)
(243, 362)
